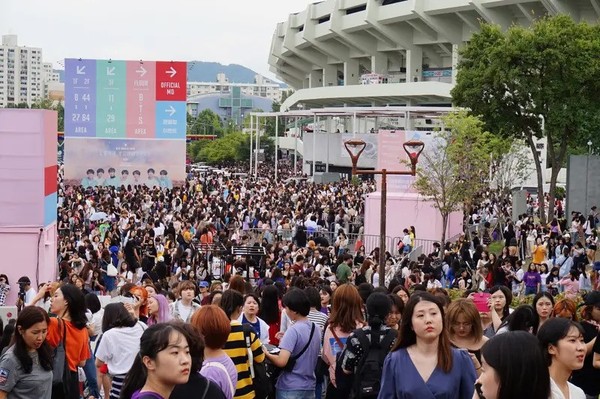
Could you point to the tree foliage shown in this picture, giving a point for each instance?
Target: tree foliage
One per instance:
(456, 168)
(534, 82)
(207, 122)
(234, 147)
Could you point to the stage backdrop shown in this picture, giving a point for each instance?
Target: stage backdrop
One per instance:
(125, 122)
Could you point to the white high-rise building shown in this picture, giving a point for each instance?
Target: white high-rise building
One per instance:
(50, 79)
(262, 87)
(21, 73)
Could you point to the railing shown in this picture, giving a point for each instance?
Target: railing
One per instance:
(369, 241)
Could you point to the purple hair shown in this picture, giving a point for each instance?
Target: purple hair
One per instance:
(164, 312)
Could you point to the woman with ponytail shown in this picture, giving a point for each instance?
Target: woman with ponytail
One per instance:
(376, 336)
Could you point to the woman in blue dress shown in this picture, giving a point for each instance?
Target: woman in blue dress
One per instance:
(423, 364)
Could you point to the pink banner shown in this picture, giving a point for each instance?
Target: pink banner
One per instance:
(141, 99)
(391, 156)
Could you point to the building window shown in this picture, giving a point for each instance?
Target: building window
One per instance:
(356, 9)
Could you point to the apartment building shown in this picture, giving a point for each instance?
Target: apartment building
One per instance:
(21, 73)
(262, 87)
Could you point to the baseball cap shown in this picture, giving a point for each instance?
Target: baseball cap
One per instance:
(203, 284)
(592, 299)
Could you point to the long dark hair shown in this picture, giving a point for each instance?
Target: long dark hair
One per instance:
(75, 305)
(552, 331)
(29, 316)
(115, 316)
(507, 294)
(154, 340)
(524, 318)
(517, 358)
(269, 307)
(379, 306)
(408, 337)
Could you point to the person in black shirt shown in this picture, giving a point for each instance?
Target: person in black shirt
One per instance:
(197, 386)
(588, 377)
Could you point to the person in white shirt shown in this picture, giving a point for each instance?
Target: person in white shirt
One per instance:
(184, 307)
(30, 292)
(119, 344)
(564, 348)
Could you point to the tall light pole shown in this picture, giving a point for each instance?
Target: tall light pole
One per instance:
(413, 149)
(587, 174)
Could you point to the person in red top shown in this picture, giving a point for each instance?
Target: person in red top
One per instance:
(270, 312)
(68, 304)
(298, 266)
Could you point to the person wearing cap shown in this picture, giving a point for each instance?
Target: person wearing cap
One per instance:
(204, 295)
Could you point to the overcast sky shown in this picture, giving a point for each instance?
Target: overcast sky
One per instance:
(225, 31)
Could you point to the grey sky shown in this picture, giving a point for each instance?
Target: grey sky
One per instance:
(225, 31)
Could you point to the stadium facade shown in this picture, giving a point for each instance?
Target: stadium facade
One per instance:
(391, 52)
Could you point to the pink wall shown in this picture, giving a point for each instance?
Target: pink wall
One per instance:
(19, 250)
(404, 210)
(26, 137)
(27, 147)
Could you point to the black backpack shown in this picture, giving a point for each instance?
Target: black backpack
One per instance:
(367, 377)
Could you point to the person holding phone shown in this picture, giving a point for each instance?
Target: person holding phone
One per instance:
(465, 331)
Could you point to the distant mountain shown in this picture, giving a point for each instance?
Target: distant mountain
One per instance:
(201, 71)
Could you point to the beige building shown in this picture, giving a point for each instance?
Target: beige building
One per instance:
(262, 87)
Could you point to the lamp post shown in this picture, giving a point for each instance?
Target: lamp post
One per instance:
(413, 149)
(587, 174)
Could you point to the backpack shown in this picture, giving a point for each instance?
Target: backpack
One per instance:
(367, 377)
(263, 387)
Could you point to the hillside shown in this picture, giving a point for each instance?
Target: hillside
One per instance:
(202, 71)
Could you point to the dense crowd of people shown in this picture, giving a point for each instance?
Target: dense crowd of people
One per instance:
(163, 294)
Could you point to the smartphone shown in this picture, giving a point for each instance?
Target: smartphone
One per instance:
(481, 300)
(272, 349)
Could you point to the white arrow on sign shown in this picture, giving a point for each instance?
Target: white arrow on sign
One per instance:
(170, 110)
(110, 71)
(142, 71)
(80, 70)
(171, 72)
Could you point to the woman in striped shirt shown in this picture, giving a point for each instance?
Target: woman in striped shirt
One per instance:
(232, 303)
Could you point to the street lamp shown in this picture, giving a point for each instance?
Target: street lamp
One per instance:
(413, 149)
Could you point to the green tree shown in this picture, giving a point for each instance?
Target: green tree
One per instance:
(532, 82)
(456, 169)
(207, 122)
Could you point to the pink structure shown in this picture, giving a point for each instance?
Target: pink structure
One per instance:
(409, 209)
(404, 206)
(28, 197)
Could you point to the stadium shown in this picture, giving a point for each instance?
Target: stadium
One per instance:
(391, 52)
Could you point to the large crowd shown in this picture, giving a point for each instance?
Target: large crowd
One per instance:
(250, 287)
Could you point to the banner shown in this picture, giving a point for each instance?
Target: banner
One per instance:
(125, 117)
(114, 162)
(392, 156)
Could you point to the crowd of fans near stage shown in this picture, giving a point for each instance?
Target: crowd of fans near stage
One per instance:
(235, 286)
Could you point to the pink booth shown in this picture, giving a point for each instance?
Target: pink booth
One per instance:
(28, 197)
(405, 207)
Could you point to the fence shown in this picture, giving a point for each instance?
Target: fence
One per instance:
(354, 240)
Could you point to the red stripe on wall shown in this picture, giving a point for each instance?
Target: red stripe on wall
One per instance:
(50, 176)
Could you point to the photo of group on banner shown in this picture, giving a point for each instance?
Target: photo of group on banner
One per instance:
(96, 178)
